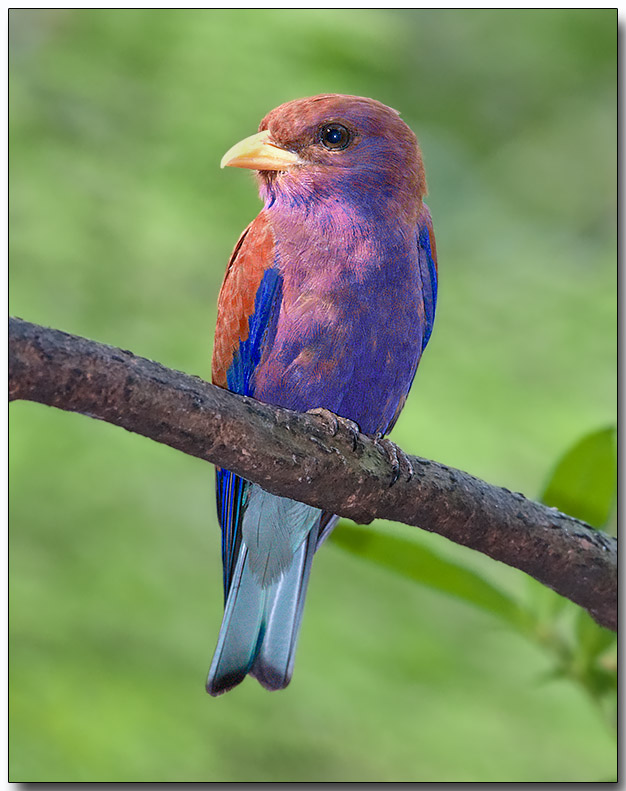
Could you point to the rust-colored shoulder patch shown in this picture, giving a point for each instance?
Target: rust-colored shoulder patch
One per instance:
(253, 254)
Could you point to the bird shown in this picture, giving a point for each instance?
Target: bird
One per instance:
(326, 306)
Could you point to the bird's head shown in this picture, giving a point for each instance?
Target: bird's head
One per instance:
(335, 147)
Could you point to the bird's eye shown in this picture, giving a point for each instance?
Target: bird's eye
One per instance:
(334, 137)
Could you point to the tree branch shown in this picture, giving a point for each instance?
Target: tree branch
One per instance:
(293, 455)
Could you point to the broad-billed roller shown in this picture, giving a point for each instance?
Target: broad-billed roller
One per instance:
(327, 304)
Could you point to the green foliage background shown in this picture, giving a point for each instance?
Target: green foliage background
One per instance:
(121, 226)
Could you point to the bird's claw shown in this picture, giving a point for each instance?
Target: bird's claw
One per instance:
(334, 422)
(400, 462)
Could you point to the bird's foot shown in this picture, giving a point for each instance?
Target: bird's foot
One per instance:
(400, 462)
(334, 422)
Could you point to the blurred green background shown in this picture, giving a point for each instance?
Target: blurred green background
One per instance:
(121, 226)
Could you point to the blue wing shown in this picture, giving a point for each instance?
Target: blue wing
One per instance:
(231, 490)
(427, 254)
(261, 331)
(427, 262)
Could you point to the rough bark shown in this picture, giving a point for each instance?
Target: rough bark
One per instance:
(296, 455)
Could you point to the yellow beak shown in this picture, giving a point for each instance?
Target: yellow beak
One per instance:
(259, 153)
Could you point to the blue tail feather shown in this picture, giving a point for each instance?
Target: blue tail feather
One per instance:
(263, 610)
(241, 627)
(273, 663)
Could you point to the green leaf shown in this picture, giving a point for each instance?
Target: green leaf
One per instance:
(424, 566)
(584, 483)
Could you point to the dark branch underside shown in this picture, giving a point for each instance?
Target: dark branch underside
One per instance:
(293, 455)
